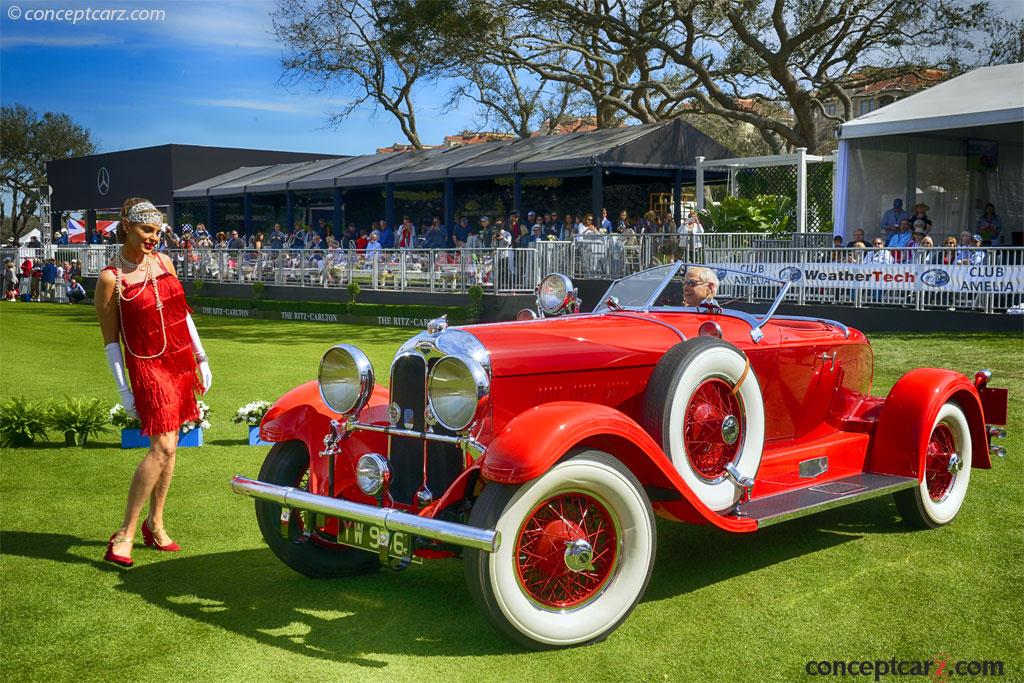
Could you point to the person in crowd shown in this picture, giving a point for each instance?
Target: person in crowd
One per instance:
(693, 230)
(386, 235)
(202, 233)
(34, 243)
(878, 253)
(461, 233)
(406, 237)
(668, 221)
(221, 241)
(277, 237)
(10, 281)
(587, 227)
(623, 223)
(900, 239)
(925, 253)
(63, 270)
(513, 222)
(323, 227)
(75, 291)
(300, 237)
(568, 231)
(700, 286)
(948, 251)
(50, 275)
(857, 252)
(139, 300)
(373, 246)
(37, 279)
(235, 242)
(918, 234)
(487, 231)
(921, 214)
(858, 236)
(973, 254)
(553, 228)
(891, 218)
(990, 226)
(836, 255)
(75, 269)
(536, 235)
(257, 242)
(435, 237)
(522, 240)
(473, 240)
(26, 267)
(606, 223)
(963, 251)
(363, 240)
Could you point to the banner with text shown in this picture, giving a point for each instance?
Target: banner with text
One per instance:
(994, 279)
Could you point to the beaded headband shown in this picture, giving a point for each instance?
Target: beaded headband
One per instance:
(146, 213)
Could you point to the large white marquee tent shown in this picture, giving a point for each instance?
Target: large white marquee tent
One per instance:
(954, 147)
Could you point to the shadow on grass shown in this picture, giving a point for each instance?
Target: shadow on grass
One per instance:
(425, 611)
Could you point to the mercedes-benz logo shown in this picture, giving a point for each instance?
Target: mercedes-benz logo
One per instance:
(103, 180)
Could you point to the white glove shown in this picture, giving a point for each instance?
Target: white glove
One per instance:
(200, 353)
(115, 360)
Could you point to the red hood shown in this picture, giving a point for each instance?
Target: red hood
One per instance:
(572, 343)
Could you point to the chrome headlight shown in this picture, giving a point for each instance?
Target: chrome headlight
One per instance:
(556, 295)
(372, 474)
(345, 379)
(456, 390)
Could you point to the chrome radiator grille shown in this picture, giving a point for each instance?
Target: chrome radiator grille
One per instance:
(444, 461)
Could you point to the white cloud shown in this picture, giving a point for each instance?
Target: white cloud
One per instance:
(258, 105)
(57, 41)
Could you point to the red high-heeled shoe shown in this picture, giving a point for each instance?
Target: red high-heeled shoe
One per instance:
(111, 556)
(149, 536)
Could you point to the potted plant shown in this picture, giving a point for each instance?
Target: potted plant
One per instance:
(190, 435)
(21, 422)
(78, 419)
(252, 414)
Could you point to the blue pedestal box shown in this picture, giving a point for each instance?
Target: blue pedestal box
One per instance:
(133, 438)
(254, 437)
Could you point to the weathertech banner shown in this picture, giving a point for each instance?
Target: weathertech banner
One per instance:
(994, 279)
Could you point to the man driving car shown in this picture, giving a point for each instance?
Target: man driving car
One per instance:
(699, 286)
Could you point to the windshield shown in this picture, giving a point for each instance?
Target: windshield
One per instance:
(639, 290)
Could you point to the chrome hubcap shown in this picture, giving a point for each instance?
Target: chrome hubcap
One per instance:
(955, 463)
(579, 556)
(730, 429)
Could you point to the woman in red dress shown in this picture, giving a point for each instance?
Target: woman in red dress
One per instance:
(140, 302)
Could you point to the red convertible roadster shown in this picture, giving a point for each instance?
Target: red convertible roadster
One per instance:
(540, 450)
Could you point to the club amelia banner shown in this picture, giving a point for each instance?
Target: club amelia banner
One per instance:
(995, 279)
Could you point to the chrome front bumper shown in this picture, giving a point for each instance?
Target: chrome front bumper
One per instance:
(487, 540)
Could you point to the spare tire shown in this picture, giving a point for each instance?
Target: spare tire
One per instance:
(703, 405)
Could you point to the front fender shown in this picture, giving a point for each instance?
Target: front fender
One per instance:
(301, 415)
(532, 442)
(904, 427)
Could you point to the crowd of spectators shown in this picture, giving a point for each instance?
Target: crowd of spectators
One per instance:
(45, 278)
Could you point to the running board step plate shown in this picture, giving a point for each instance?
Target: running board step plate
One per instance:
(818, 497)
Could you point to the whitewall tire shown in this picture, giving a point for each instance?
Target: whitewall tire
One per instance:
(702, 421)
(577, 550)
(947, 472)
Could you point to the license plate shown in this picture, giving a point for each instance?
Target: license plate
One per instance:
(368, 537)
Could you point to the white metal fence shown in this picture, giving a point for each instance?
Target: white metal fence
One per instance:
(989, 279)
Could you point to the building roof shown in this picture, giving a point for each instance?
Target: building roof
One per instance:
(658, 147)
(986, 96)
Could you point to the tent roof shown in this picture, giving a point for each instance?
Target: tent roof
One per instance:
(986, 96)
(658, 147)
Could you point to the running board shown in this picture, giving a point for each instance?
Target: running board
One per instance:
(819, 497)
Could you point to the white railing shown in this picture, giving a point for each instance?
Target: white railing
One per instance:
(989, 279)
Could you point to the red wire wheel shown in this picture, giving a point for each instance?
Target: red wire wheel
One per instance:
(708, 451)
(941, 446)
(541, 550)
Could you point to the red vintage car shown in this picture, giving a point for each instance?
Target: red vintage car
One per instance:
(540, 450)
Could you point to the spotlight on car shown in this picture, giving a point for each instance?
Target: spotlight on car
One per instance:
(372, 474)
(456, 391)
(345, 379)
(556, 295)
(710, 328)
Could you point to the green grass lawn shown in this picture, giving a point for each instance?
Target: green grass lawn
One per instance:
(852, 583)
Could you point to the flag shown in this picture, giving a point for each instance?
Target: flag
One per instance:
(107, 227)
(76, 232)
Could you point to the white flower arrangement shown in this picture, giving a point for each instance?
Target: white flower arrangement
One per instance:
(119, 417)
(202, 422)
(251, 413)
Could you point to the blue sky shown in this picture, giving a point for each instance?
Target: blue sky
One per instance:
(207, 74)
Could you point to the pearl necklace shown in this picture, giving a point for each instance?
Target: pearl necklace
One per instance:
(118, 281)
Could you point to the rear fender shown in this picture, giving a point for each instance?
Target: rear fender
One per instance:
(532, 442)
(302, 415)
(904, 426)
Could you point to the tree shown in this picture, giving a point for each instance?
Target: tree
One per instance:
(27, 142)
(346, 44)
(769, 64)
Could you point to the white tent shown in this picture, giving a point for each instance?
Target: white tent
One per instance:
(920, 148)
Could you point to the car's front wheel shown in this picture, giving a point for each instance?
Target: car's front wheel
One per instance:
(947, 471)
(576, 553)
(309, 553)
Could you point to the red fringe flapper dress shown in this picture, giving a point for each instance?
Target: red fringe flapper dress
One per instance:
(163, 386)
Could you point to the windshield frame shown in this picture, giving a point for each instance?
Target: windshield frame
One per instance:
(756, 322)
